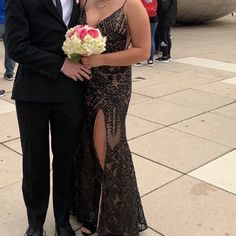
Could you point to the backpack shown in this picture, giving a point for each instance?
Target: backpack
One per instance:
(151, 7)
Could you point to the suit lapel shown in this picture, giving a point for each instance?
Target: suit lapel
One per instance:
(49, 5)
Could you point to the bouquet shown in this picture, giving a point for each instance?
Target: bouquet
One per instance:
(83, 40)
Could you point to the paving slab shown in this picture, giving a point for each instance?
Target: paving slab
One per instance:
(158, 90)
(225, 87)
(6, 107)
(220, 172)
(207, 72)
(145, 82)
(144, 71)
(13, 213)
(137, 127)
(212, 127)
(177, 150)
(10, 167)
(212, 64)
(183, 79)
(14, 145)
(175, 67)
(193, 98)
(136, 99)
(226, 57)
(9, 127)
(5, 84)
(227, 111)
(188, 207)
(7, 98)
(162, 112)
(150, 175)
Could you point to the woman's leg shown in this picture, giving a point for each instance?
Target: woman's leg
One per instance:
(99, 139)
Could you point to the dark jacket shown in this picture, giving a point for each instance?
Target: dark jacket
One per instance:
(34, 37)
(2, 12)
(167, 12)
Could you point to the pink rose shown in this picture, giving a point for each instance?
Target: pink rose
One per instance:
(93, 33)
(70, 33)
(81, 33)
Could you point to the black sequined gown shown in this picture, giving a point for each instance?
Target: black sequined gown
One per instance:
(109, 198)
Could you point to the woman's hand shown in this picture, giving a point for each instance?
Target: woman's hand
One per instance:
(93, 61)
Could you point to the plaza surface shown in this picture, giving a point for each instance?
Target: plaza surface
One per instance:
(182, 132)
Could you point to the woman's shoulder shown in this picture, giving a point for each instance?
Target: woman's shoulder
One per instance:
(132, 5)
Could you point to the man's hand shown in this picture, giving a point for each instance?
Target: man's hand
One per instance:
(75, 71)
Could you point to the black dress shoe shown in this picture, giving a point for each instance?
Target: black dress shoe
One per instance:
(65, 231)
(34, 232)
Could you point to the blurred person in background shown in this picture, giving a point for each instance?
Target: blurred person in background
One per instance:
(167, 12)
(151, 6)
(9, 64)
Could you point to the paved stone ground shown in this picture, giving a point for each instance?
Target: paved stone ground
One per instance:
(181, 128)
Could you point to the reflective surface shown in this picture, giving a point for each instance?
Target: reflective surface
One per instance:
(198, 11)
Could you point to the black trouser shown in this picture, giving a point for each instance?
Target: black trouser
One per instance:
(34, 120)
(157, 40)
(165, 40)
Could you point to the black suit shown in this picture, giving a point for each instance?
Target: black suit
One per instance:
(44, 96)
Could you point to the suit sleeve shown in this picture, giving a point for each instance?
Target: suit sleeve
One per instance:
(19, 46)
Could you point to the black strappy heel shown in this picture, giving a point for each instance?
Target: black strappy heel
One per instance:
(91, 227)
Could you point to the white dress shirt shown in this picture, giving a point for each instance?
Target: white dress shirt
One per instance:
(67, 6)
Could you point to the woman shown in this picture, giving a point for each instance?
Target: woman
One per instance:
(9, 64)
(151, 7)
(107, 197)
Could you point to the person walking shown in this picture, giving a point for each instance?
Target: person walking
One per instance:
(167, 12)
(48, 93)
(9, 64)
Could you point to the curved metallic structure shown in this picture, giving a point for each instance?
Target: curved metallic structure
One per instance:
(198, 11)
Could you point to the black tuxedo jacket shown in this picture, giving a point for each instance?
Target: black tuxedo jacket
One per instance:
(34, 37)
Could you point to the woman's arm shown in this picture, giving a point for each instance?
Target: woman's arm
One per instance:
(139, 28)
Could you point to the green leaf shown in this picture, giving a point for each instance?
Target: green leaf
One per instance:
(75, 58)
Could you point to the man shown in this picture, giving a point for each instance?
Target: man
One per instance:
(167, 12)
(47, 91)
(9, 64)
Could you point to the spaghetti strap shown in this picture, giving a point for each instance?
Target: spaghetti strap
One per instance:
(123, 3)
(85, 4)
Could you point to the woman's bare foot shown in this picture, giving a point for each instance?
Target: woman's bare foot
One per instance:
(88, 229)
(85, 230)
